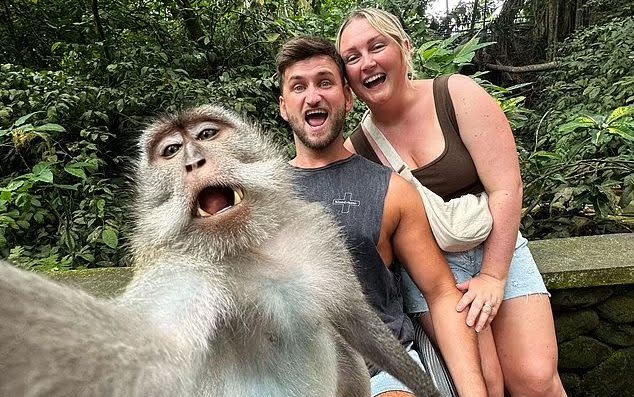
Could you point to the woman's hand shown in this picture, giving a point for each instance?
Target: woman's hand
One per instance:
(484, 293)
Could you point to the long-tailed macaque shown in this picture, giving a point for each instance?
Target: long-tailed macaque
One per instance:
(240, 289)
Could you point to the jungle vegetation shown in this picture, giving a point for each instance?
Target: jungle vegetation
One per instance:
(79, 80)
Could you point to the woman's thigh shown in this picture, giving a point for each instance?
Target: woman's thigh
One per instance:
(525, 338)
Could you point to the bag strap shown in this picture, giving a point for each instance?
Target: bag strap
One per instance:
(444, 106)
(386, 147)
(362, 146)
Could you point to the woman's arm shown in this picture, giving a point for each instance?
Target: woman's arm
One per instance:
(414, 245)
(487, 135)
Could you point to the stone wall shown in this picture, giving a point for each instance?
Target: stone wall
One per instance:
(591, 280)
(595, 332)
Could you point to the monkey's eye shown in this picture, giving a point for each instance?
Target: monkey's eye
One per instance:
(171, 150)
(207, 133)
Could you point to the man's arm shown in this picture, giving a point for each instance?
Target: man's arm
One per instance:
(414, 245)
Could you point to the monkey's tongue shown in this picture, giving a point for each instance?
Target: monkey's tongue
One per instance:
(215, 199)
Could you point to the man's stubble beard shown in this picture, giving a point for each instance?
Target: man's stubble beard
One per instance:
(332, 134)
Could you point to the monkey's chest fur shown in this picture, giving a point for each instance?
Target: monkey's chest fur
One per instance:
(278, 337)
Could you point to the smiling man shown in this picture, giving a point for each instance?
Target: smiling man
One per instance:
(381, 214)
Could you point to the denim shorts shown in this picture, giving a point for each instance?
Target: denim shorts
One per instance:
(523, 277)
(383, 382)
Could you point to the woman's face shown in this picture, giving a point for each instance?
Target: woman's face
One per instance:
(375, 66)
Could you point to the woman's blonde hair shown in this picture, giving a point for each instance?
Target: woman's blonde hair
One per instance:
(388, 25)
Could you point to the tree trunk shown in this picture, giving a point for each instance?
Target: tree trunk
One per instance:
(194, 28)
(8, 22)
(524, 69)
(474, 12)
(503, 27)
(579, 15)
(99, 30)
(553, 32)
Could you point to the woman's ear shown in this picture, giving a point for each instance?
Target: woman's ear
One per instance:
(407, 45)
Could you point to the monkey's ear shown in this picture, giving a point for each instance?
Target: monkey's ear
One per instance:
(283, 109)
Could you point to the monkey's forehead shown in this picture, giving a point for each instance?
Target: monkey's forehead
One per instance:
(185, 119)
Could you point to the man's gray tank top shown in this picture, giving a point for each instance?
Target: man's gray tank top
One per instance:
(354, 191)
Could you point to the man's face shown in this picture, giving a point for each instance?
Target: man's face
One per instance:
(315, 101)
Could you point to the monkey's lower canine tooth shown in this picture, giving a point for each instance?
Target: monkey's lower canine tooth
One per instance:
(237, 196)
(203, 213)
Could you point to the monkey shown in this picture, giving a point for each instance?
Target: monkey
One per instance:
(239, 288)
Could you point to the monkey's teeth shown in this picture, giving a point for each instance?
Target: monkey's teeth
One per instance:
(203, 213)
(237, 196)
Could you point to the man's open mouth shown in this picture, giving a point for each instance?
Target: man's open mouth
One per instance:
(316, 118)
(374, 80)
(214, 200)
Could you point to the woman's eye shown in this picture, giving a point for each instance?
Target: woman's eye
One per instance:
(207, 133)
(378, 47)
(171, 150)
(352, 59)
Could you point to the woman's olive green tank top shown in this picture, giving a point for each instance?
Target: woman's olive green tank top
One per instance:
(453, 173)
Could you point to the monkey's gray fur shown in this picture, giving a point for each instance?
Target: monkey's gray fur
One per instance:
(257, 300)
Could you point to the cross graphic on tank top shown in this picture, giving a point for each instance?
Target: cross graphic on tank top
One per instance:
(346, 202)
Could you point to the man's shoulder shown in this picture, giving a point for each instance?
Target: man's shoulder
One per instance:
(369, 164)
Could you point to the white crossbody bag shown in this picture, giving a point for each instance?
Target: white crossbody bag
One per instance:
(459, 224)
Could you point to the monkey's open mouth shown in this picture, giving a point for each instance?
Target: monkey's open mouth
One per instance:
(214, 200)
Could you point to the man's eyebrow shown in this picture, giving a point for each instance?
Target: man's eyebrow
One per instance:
(321, 73)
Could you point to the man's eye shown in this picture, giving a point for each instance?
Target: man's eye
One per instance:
(298, 88)
(325, 84)
(207, 133)
(171, 150)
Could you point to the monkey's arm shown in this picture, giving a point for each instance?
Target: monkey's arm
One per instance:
(343, 304)
(362, 328)
(415, 246)
(57, 341)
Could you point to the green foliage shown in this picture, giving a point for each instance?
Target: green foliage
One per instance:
(596, 73)
(83, 81)
(443, 56)
(55, 198)
(577, 149)
(450, 55)
(582, 185)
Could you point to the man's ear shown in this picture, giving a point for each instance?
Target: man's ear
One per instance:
(283, 108)
(347, 92)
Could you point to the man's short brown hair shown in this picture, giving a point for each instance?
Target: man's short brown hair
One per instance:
(304, 47)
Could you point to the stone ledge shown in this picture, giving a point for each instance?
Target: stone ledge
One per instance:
(574, 262)
(589, 261)
(102, 282)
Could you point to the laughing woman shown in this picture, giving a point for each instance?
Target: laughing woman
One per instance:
(456, 139)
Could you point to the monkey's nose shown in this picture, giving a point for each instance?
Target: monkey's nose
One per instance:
(195, 164)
